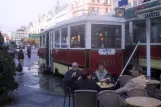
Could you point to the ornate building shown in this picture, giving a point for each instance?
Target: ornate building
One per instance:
(74, 8)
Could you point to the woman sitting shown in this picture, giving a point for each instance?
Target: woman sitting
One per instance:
(101, 73)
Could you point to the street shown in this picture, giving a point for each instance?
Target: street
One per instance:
(35, 88)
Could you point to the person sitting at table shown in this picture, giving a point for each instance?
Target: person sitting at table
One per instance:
(85, 82)
(72, 75)
(138, 80)
(101, 73)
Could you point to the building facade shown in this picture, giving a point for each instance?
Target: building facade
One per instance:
(74, 8)
(20, 34)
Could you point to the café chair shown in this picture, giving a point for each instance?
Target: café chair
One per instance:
(67, 92)
(141, 92)
(85, 98)
(124, 79)
(109, 98)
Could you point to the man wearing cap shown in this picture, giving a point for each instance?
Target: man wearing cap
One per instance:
(139, 80)
(72, 75)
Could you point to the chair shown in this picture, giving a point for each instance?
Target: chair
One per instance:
(85, 98)
(67, 92)
(141, 92)
(124, 79)
(109, 98)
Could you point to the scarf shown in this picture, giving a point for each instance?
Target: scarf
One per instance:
(101, 75)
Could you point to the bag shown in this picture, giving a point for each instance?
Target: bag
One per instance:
(19, 67)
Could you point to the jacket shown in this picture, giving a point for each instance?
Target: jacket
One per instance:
(137, 82)
(68, 79)
(86, 84)
(20, 55)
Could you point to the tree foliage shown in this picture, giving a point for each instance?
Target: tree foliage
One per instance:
(7, 73)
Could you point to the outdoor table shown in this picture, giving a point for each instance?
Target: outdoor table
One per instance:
(153, 82)
(143, 102)
(105, 86)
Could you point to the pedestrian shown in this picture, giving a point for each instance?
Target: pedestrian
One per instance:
(21, 57)
(29, 51)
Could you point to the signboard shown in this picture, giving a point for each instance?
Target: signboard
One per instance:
(131, 12)
(106, 51)
(151, 14)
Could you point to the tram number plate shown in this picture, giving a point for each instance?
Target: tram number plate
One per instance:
(106, 51)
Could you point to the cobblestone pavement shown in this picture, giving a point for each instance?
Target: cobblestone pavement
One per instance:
(37, 90)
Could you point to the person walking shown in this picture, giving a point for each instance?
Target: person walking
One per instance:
(21, 58)
(29, 52)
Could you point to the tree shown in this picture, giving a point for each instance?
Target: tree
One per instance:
(7, 73)
(1, 38)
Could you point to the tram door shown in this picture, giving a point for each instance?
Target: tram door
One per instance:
(47, 51)
(50, 51)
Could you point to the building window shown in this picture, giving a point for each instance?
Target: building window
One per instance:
(92, 8)
(77, 36)
(106, 36)
(106, 10)
(64, 37)
(57, 39)
(98, 9)
(98, 1)
(106, 1)
(93, 1)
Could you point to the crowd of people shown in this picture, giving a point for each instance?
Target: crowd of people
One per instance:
(77, 79)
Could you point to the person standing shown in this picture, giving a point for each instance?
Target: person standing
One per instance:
(21, 57)
(29, 51)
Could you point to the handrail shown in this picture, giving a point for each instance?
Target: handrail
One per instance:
(128, 61)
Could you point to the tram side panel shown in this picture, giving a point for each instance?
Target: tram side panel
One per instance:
(113, 63)
(155, 56)
(41, 54)
(63, 59)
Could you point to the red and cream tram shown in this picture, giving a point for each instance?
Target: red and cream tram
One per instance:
(142, 20)
(87, 40)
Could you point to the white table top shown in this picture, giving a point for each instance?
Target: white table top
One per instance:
(143, 101)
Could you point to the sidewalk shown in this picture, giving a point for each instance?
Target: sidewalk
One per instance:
(37, 90)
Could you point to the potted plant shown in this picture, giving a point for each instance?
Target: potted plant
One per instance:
(7, 73)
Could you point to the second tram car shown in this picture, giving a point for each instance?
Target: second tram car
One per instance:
(87, 40)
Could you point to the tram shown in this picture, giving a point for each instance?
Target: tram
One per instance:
(142, 20)
(86, 40)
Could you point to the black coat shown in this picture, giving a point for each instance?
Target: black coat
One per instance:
(86, 84)
(68, 79)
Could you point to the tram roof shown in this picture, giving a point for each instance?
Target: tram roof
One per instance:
(78, 19)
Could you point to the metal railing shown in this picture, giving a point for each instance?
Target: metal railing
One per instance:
(128, 61)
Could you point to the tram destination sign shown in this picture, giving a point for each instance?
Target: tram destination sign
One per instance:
(106, 51)
(151, 14)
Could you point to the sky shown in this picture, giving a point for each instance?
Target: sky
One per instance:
(17, 13)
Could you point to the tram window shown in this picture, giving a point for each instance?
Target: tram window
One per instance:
(106, 36)
(44, 41)
(77, 38)
(139, 31)
(40, 41)
(156, 30)
(64, 38)
(57, 39)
